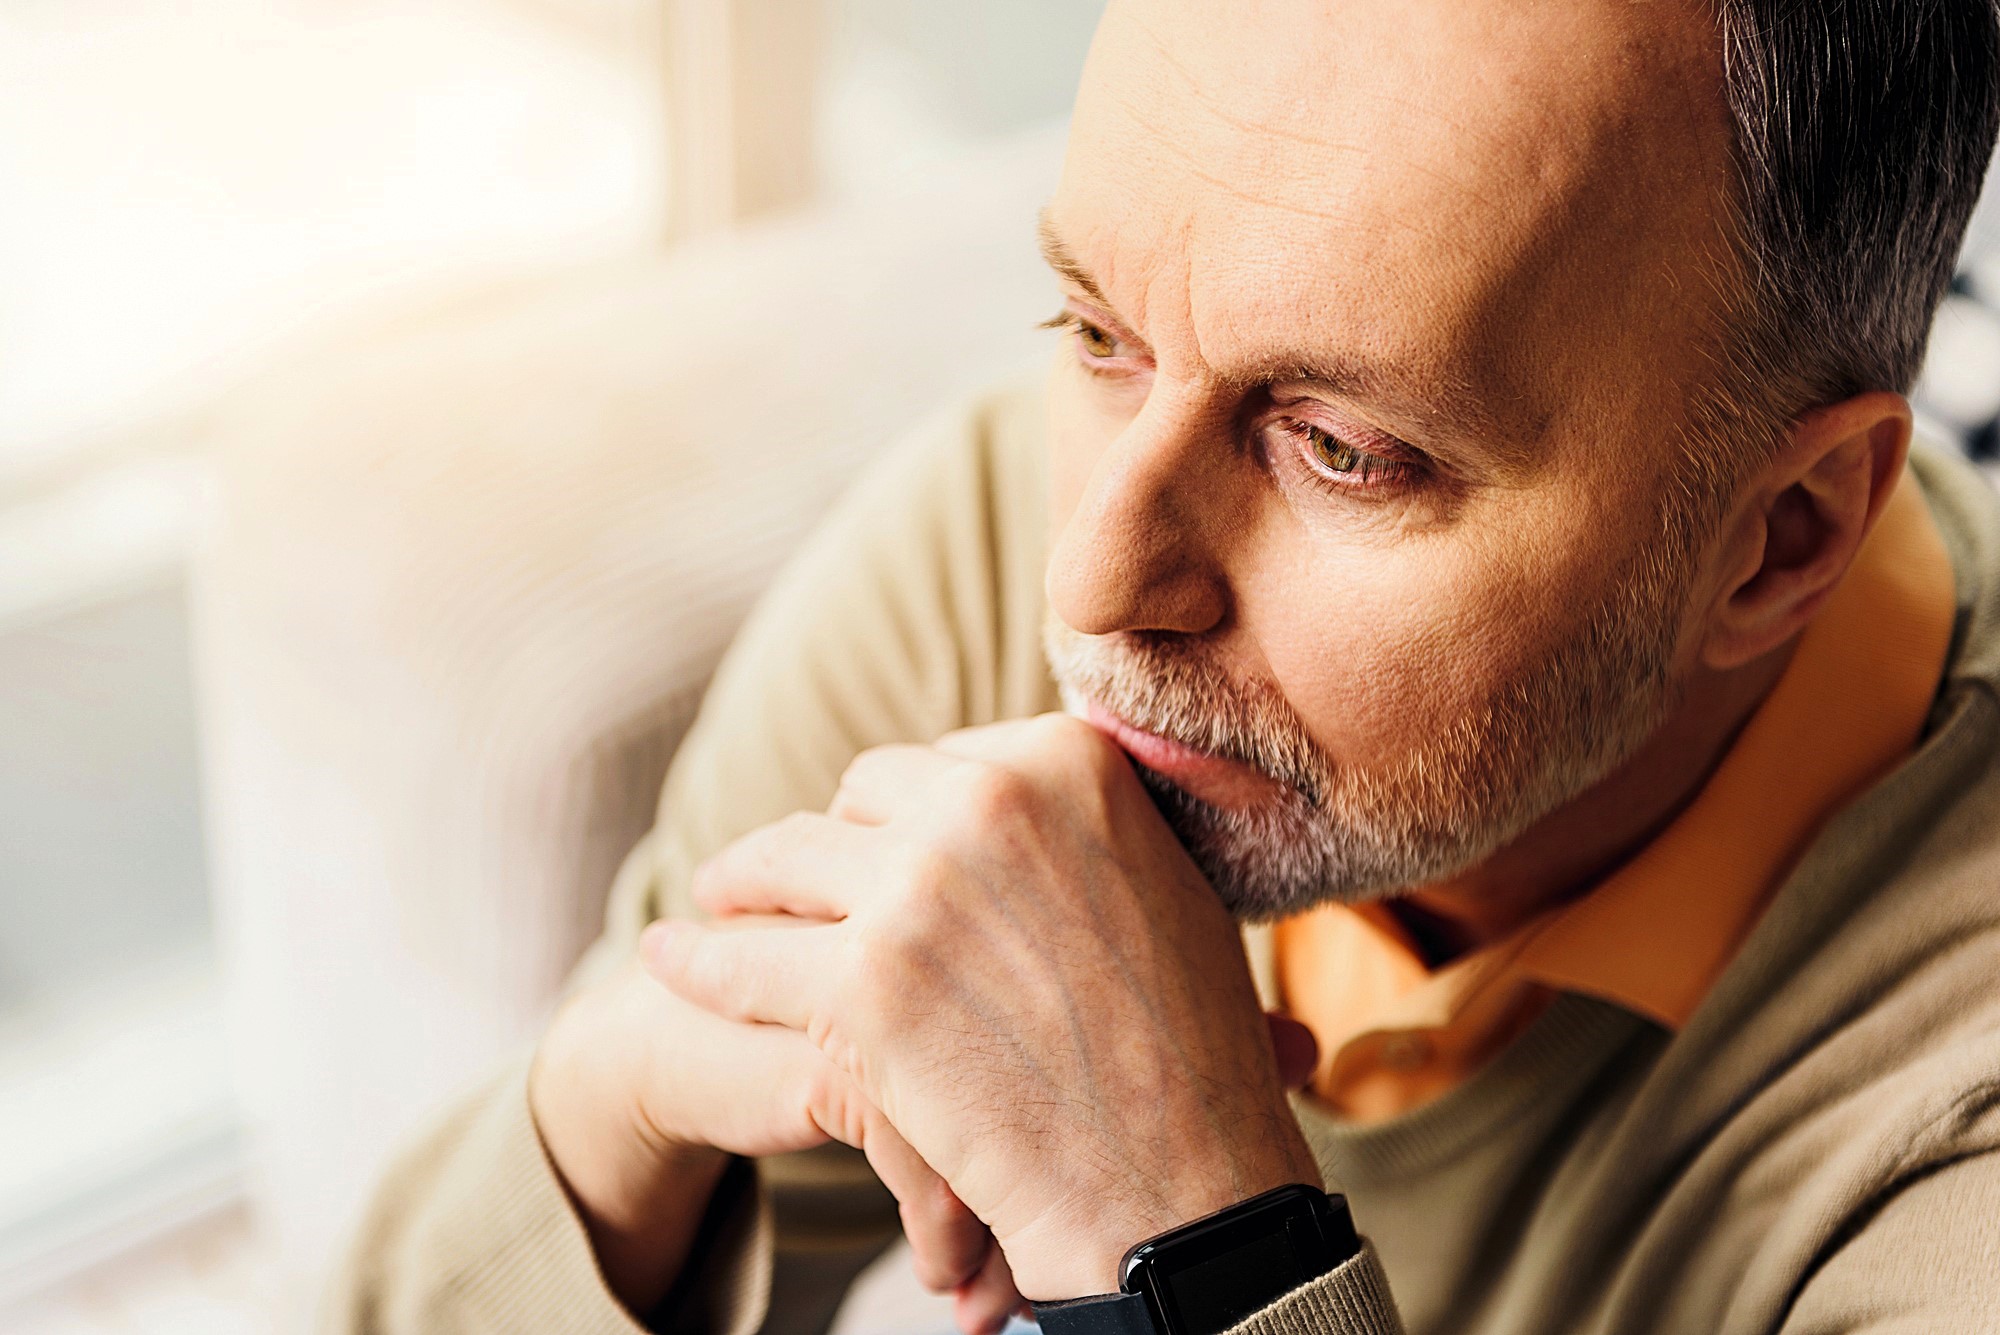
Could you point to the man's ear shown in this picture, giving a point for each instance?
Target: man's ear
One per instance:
(1801, 519)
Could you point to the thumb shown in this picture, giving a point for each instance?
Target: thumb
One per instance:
(1296, 1048)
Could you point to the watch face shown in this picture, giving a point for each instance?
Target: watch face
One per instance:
(1206, 1277)
(1215, 1294)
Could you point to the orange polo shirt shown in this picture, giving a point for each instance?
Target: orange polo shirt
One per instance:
(1654, 935)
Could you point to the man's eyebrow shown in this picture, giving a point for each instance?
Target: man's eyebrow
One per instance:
(1452, 408)
(1437, 407)
(1057, 256)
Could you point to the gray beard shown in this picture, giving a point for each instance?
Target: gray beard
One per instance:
(1271, 862)
(1285, 856)
(1330, 837)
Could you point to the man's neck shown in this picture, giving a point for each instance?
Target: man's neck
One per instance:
(1569, 851)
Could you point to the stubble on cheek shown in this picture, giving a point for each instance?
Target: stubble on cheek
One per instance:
(1463, 757)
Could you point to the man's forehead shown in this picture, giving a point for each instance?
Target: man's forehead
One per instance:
(1398, 175)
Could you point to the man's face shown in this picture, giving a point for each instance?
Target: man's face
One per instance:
(1368, 429)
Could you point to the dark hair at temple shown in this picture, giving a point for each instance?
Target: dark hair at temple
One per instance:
(1862, 132)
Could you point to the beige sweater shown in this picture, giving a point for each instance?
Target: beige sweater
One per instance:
(1818, 1150)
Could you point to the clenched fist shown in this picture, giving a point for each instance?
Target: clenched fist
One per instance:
(1000, 945)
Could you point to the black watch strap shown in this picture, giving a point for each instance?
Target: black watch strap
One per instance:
(1103, 1314)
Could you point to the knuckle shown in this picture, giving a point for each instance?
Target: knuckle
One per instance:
(757, 855)
(946, 1253)
(830, 1103)
(845, 804)
(854, 777)
(882, 980)
(797, 827)
(928, 872)
(1075, 744)
(926, 910)
(734, 860)
(866, 764)
(995, 794)
(1055, 729)
(896, 970)
(928, 1209)
(755, 850)
(870, 778)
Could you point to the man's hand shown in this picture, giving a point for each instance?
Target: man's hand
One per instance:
(640, 1098)
(1013, 959)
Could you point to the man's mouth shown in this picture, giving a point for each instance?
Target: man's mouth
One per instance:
(1210, 778)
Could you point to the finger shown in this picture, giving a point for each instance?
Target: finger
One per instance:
(704, 1080)
(1047, 745)
(1296, 1049)
(761, 975)
(1005, 743)
(806, 865)
(884, 780)
(947, 1241)
(982, 1305)
(1022, 740)
(948, 1244)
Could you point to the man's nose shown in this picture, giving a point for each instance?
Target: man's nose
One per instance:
(1141, 551)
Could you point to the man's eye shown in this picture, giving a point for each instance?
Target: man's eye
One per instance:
(1094, 341)
(1354, 467)
(1335, 454)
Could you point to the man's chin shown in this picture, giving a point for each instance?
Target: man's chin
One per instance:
(1266, 860)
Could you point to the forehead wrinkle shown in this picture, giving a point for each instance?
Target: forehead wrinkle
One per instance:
(1417, 225)
(1483, 212)
(1257, 350)
(1243, 124)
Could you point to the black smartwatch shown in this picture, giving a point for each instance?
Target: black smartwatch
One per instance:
(1204, 1277)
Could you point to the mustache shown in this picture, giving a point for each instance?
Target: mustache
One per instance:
(1175, 689)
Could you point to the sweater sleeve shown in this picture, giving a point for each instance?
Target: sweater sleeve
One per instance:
(915, 609)
(1925, 1262)
(1352, 1299)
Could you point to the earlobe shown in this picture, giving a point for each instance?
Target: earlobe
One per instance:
(1800, 523)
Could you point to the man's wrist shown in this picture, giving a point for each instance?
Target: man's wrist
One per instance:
(639, 1195)
(1078, 1253)
(641, 1205)
(1207, 1276)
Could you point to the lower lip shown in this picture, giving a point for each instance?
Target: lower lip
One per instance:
(1212, 779)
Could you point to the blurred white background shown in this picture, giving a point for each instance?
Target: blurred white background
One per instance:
(199, 195)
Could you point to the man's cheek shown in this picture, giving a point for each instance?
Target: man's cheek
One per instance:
(1382, 686)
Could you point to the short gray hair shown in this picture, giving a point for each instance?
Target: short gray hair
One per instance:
(1862, 132)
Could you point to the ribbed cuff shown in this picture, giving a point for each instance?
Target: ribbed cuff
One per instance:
(512, 1253)
(1352, 1299)
(527, 1261)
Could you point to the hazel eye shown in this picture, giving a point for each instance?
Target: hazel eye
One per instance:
(1347, 469)
(1335, 454)
(1095, 341)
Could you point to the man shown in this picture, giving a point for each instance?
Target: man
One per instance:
(1469, 527)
